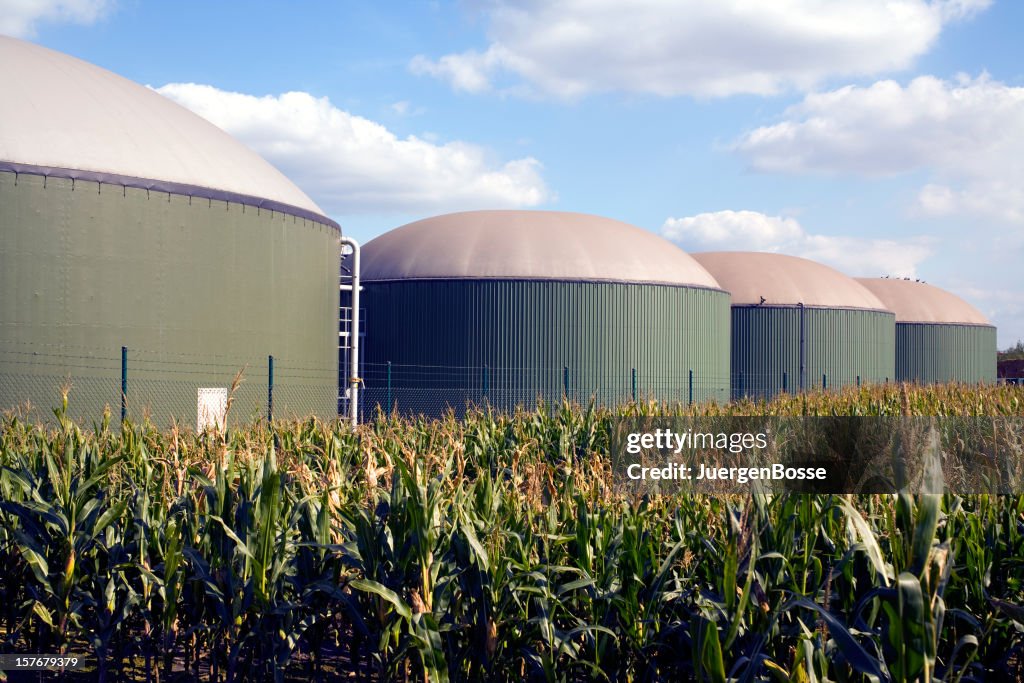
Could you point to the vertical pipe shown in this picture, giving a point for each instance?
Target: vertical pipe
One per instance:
(565, 382)
(270, 388)
(784, 381)
(389, 404)
(803, 353)
(124, 383)
(824, 381)
(353, 364)
(858, 381)
(634, 385)
(691, 387)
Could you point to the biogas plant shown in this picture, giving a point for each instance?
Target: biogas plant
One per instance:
(128, 221)
(146, 257)
(549, 303)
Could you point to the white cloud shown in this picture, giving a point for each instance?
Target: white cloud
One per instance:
(568, 48)
(864, 257)
(754, 231)
(1003, 306)
(349, 164)
(746, 230)
(469, 71)
(19, 17)
(1000, 198)
(968, 133)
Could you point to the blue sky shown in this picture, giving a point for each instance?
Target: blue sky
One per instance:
(879, 136)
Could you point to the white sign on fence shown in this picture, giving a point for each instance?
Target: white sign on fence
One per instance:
(211, 408)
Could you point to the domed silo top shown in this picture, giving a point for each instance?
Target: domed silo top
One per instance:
(919, 302)
(759, 278)
(529, 245)
(60, 116)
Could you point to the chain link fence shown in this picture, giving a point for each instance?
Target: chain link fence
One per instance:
(161, 387)
(435, 390)
(757, 386)
(166, 389)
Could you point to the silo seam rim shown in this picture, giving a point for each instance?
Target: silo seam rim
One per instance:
(816, 307)
(367, 279)
(935, 323)
(182, 189)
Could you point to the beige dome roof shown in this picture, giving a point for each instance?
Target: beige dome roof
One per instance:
(61, 116)
(784, 281)
(543, 245)
(918, 302)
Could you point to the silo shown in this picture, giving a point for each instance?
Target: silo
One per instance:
(128, 221)
(509, 306)
(939, 336)
(798, 324)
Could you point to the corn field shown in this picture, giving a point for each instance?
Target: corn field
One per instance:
(490, 548)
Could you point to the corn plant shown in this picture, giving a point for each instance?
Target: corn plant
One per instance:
(497, 547)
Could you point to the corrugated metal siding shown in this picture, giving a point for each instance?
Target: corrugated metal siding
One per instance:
(840, 345)
(931, 352)
(196, 289)
(528, 331)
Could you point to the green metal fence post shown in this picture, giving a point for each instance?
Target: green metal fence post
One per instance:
(124, 383)
(803, 348)
(270, 388)
(389, 387)
(858, 381)
(565, 381)
(691, 387)
(824, 381)
(634, 385)
(485, 383)
(785, 382)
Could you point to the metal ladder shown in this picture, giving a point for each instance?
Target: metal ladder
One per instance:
(349, 310)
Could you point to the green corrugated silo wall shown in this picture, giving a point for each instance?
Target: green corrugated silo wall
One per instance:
(197, 290)
(932, 352)
(439, 335)
(840, 346)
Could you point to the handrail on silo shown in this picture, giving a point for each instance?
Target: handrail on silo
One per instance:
(353, 363)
